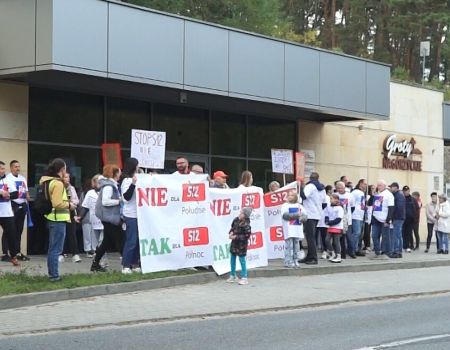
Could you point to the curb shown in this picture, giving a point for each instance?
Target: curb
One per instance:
(31, 299)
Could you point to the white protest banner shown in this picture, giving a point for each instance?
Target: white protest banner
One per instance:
(149, 148)
(273, 220)
(173, 221)
(282, 161)
(225, 206)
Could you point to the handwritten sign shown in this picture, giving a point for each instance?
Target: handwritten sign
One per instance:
(149, 148)
(282, 161)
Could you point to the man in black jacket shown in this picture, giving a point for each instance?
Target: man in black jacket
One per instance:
(398, 219)
(410, 217)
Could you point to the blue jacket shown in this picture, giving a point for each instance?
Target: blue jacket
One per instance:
(399, 206)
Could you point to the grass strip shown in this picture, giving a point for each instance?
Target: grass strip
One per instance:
(20, 283)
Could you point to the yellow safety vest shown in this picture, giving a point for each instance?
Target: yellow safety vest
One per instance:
(59, 214)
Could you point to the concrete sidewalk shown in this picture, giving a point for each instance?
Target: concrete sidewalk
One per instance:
(37, 266)
(220, 298)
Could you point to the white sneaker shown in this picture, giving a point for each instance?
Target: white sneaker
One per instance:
(331, 256)
(61, 258)
(324, 255)
(136, 270)
(243, 281)
(408, 250)
(336, 259)
(232, 279)
(126, 271)
(76, 258)
(296, 263)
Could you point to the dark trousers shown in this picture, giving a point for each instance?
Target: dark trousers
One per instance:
(112, 239)
(323, 237)
(20, 212)
(365, 238)
(430, 235)
(310, 230)
(9, 232)
(71, 242)
(416, 235)
(343, 240)
(407, 234)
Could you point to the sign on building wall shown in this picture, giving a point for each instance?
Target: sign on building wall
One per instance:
(149, 148)
(400, 154)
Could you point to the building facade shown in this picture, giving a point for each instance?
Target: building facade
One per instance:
(77, 74)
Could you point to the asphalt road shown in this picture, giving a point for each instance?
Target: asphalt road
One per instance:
(412, 324)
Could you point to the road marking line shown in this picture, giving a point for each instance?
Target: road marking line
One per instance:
(404, 342)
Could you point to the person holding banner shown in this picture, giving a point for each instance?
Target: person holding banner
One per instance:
(239, 234)
(274, 186)
(246, 179)
(294, 216)
(182, 166)
(107, 209)
(130, 259)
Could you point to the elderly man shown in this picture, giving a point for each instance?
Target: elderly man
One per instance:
(382, 213)
(220, 180)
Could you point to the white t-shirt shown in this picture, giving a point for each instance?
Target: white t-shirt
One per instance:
(21, 186)
(359, 199)
(381, 202)
(313, 201)
(346, 200)
(292, 228)
(321, 222)
(334, 212)
(5, 204)
(89, 202)
(129, 207)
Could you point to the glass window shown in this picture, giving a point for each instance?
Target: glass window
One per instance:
(123, 115)
(66, 117)
(81, 162)
(228, 134)
(263, 175)
(232, 167)
(265, 134)
(187, 129)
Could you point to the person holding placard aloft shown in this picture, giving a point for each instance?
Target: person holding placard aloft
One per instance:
(294, 216)
(239, 234)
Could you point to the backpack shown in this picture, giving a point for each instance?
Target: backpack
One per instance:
(42, 203)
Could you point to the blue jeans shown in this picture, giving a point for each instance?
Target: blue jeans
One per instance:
(380, 232)
(397, 236)
(443, 240)
(243, 266)
(57, 234)
(130, 254)
(353, 236)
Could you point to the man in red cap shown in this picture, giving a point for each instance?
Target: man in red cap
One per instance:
(220, 180)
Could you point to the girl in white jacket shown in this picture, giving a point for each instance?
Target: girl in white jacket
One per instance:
(443, 223)
(294, 216)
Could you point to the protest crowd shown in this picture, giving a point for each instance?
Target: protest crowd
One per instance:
(332, 222)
